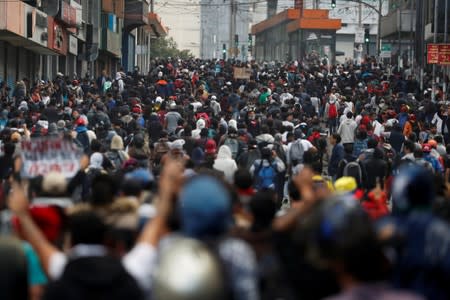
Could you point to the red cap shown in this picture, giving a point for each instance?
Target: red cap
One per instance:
(210, 147)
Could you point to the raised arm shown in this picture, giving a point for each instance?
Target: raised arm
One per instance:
(18, 204)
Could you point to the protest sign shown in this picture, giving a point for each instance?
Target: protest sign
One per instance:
(41, 156)
(242, 73)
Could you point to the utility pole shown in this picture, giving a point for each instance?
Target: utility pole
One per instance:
(399, 33)
(232, 28)
(445, 41)
(411, 9)
(380, 7)
(436, 28)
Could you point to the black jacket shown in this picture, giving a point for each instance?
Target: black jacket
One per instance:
(94, 278)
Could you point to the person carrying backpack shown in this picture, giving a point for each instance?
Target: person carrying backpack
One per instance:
(331, 113)
(117, 155)
(233, 143)
(295, 153)
(266, 169)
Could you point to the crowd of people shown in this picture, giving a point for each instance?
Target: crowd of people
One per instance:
(303, 181)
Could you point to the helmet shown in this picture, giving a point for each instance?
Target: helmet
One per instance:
(187, 270)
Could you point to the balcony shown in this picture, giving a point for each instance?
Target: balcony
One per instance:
(399, 21)
(136, 14)
(24, 26)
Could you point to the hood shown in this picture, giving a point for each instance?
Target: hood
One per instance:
(201, 124)
(224, 152)
(96, 160)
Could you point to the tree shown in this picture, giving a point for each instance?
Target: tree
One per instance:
(164, 47)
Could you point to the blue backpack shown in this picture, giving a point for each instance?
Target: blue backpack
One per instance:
(265, 176)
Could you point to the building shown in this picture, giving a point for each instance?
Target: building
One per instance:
(356, 18)
(226, 24)
(398, 30)
(296, 33)
(76, 37)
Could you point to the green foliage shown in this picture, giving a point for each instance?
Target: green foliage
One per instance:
(164, 47)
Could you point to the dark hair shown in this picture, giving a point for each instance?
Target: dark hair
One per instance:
(103, 190)
(242, 178)
(348, 148)
(409, 145)
(412, 137)
(96, 146)
(438, 139)
(263, 207)
(337, 137)
(86, 227)
(293, 192)
(372, 143)
(131, 188)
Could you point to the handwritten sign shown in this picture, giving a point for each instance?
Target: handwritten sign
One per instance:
(242, 73)
(432, 53)
(444, 54)
(41, 156)
(438, 54)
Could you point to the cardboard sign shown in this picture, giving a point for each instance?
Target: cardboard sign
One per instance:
(41, 156)
(242, 73)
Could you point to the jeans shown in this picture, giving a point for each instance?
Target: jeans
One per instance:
(332, 123)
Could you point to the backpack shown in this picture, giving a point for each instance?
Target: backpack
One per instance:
(353, 169)
(233, 144)
(265, 176)
(116, 158)
(296, 152)
(332, 111)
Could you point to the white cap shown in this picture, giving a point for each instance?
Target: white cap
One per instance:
(213, 97)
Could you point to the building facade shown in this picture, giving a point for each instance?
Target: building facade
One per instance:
(295, 34)
(74, 37)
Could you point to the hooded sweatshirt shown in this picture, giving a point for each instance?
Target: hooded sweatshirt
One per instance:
(200, 125)
(225, 163)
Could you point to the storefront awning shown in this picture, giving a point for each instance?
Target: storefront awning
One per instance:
(315, 19)
(156, 25)
(284, 16)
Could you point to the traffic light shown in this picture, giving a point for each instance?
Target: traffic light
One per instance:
(224, 51)
(236, 40)
(250, 40)
(367, 35)
(333, 3)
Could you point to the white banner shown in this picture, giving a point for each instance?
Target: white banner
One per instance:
(41, 156)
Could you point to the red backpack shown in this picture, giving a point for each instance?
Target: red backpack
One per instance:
(332, 111)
